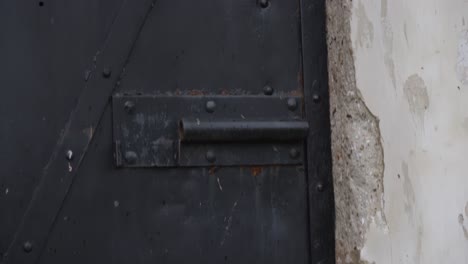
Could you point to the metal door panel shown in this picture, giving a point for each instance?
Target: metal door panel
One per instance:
(46, 47)
(217, 47)
(203, 215)
(85, 209)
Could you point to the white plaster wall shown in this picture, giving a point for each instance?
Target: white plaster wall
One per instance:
(411, 60)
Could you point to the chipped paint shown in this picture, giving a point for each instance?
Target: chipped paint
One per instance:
(358, 165)
(227, 228)
(219, 184)
(417, 97)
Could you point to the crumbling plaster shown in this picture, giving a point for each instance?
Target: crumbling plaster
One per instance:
(399, 111)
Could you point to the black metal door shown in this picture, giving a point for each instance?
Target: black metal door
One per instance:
(164, 132)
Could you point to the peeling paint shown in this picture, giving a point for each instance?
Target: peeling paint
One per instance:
(400, 95)
(417, 97)
(358, 164)
(462, 63)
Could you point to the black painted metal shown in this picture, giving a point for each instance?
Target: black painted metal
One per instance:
(239, 131)
(58, 174)
(208, 210)
(148, 132)
(319, 169)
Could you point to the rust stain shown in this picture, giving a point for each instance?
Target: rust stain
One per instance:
(196, 92)
(300, 79)
(297, 92)
(255, 170)
(213, 170)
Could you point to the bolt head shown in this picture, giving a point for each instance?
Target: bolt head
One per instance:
(131, 157)
(267, 90)
(316, 98)
(292, 104)
(320, 187)
(263, 3)
(129, 107)
(294, 153)
(210, 156)
(69, 155)
(210, 106)
(106, 72)
(27, 246)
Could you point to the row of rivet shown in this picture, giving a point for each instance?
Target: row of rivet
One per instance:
(267, 90)
(131, 156)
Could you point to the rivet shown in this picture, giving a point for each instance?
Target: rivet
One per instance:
(210, 106)
(263, 3)
(129, 107)
(27, 246)
(210, 156)
(320, 187)
(316, 98)
(106, 72)
(69, 155)
(294, 153)
(267, 90)
(131, 157)
(292, 104)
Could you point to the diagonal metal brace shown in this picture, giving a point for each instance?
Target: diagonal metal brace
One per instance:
(57, 178)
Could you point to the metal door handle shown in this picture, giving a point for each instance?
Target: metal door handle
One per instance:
(238, 131)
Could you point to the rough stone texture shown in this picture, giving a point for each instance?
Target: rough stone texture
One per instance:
(358, 164)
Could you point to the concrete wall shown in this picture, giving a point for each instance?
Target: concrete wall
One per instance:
(399, 103)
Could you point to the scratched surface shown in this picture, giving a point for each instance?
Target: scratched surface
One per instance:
(45, 49)
(205, 215)
(151, 130)
(237, 214)
(211, 214)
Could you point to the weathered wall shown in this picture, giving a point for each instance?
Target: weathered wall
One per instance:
(399, 103)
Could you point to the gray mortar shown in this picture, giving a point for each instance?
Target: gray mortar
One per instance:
(358, 162)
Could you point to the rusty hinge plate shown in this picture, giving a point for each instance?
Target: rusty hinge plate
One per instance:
(191, 131)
